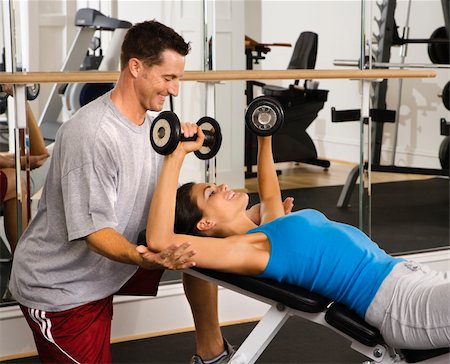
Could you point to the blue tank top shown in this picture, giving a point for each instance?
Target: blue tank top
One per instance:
(333, 259)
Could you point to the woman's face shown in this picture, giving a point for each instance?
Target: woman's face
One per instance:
(219, 203)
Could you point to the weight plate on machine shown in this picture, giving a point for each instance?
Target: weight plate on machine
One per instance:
(264, 115)
(439, 53)
(3, 105)
(165, 132)
(446, 95)
(444, 153)
(33, 91)
(211, 129)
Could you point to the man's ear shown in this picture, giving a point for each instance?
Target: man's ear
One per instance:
(205, 225)
(134, 66)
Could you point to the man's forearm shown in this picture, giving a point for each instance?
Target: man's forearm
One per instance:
(109, 243)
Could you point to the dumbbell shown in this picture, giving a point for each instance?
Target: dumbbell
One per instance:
(165, 134)
(264, 116)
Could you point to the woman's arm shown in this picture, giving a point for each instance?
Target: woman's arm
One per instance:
(269, 188)
(230, 254)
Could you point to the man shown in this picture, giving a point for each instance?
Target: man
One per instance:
(79, 249)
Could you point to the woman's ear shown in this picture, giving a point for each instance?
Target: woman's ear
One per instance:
(205, 225)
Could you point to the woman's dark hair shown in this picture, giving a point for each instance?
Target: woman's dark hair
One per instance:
(147, 40)
(187, 213)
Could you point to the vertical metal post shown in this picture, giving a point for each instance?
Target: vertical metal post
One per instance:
(364, 103)
(365, 115)
(404, 51)
(209, 32)
(17, 122)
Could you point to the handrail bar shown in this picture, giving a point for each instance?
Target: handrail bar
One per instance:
(214, 76)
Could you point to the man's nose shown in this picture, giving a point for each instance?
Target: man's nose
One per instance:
(174, 87)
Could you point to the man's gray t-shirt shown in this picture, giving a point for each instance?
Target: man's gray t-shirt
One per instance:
(103, 173)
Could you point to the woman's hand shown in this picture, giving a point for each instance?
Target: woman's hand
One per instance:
(8, 160)
(189, 130)
(174, 257)
(8, 88)
(254, 212)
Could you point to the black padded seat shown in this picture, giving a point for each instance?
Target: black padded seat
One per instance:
(416, 356)
(294, 96)
(347, 321)
(291, 296)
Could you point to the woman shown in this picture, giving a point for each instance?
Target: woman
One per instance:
(406, 302)
(38, 155)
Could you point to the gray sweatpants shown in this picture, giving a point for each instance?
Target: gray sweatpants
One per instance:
(412, 308)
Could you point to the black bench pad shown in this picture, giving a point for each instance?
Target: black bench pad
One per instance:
(416, 356)
(291, 296)
(350, 323)
(347, 321)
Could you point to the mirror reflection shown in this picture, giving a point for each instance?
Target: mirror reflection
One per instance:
(310, 152)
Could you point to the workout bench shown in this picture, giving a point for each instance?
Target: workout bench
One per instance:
(287, 300)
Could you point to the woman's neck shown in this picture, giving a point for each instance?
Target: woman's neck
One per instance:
(240, 225)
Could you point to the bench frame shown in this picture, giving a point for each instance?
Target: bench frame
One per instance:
(279, 312)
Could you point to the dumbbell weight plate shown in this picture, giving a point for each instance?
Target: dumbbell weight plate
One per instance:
(264, 116)
(165, 132)
(212, 131)
(446, 96)
(444, 153)
(33, 91)
(439, 52)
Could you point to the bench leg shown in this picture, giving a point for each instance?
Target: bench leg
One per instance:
(261, 336)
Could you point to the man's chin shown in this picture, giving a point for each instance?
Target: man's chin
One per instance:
(157, 107)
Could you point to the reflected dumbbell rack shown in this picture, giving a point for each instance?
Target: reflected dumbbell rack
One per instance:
(386, 38)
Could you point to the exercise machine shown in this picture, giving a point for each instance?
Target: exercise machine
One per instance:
(74, 96)
(300, 104)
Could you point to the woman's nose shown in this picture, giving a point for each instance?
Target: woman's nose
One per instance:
(224, 187)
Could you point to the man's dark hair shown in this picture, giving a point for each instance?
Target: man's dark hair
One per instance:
(187, 213)
(146, 41)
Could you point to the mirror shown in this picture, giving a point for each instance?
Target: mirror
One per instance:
(408, 207)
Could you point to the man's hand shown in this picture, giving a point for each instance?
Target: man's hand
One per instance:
(174, 257)
(253, 213)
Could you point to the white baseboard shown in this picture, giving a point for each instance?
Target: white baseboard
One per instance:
(138, 317)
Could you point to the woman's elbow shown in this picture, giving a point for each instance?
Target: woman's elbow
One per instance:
(158, 244)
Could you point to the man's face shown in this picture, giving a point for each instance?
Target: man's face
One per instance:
(159, 81)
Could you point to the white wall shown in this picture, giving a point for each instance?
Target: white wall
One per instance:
(338, 27)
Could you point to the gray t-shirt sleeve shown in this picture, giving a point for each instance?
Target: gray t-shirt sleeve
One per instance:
(89, 195)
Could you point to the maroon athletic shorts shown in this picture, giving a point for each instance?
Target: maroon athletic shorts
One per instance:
(3, 186)
(82, 334)
(78, 335)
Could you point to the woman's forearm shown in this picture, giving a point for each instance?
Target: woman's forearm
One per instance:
(268, 186)
(161, 218)
(267, 175)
